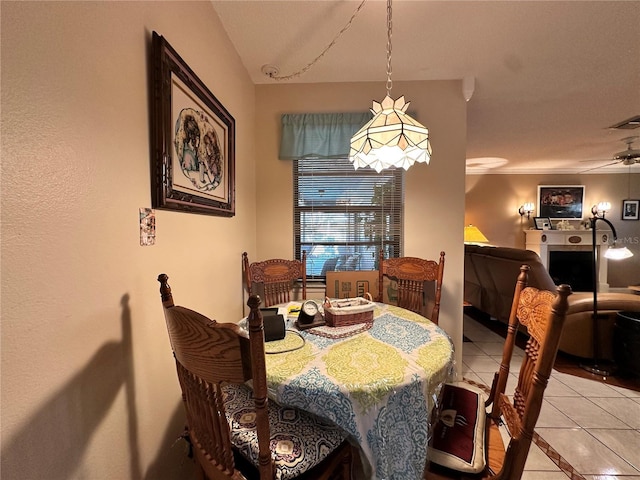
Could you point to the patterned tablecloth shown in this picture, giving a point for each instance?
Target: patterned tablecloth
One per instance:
(380, 384)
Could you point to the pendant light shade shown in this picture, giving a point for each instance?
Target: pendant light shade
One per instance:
(390, 139)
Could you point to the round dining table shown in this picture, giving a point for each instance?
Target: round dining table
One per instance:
(378, 380)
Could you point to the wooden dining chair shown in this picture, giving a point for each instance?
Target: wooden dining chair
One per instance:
(411, 273)
(466, 441)
(275, 277)
(227, 418)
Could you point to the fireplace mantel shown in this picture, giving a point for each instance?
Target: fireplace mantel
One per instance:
(544, 241)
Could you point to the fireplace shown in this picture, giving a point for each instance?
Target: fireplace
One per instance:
(567, 255)
(572, 267)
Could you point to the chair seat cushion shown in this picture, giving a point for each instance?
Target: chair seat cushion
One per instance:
(299, 440)
(458, 433)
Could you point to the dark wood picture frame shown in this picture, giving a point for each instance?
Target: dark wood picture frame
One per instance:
(561, 202)
(540, 222)
(193, 140)
(630, 209)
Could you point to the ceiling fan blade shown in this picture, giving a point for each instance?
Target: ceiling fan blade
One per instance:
(595, 160)
(600, 166)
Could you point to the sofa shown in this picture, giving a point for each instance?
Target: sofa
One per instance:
(490, 275)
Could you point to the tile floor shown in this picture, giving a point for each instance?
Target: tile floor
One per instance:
(594, 426)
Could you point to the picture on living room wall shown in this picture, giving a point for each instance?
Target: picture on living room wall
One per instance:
(630, 209)
(193, 151)
(560, 202)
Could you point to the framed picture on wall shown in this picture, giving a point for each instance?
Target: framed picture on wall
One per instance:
(193, 139)
(560, 202)
(630, 209)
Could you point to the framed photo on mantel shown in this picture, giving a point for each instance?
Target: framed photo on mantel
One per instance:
(561, 202)
(542, 223)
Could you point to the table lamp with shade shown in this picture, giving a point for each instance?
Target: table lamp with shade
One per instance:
(472, 234)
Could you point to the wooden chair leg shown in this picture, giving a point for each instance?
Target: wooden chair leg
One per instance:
(347, 462)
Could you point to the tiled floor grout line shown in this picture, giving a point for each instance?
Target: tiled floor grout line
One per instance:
(588, 431)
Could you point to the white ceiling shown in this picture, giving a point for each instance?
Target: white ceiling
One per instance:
(550, 76)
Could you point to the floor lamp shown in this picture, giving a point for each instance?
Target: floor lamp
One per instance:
(612, 253)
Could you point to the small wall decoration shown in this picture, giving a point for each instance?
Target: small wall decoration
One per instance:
(193, 157)
(561, 201)
(630, 209)
(147, 227)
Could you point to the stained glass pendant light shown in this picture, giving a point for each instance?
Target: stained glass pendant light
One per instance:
(391, 139)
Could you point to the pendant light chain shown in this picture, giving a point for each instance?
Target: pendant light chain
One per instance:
(304, 69)
(389, 29)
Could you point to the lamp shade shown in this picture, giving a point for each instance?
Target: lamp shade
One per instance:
(390, 139)
(617, 253)
(472, 234)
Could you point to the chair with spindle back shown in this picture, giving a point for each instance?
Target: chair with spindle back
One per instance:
(466, 441)
(232, 426)
(276, 277)
(411, 273)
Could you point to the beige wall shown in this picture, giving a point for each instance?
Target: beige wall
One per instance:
(434, 194)
(88, 383)
(492, 203)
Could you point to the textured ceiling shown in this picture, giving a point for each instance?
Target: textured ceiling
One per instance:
(550, 76)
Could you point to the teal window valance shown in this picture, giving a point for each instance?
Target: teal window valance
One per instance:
(325, 135)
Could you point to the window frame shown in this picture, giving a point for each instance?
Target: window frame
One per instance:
(392, 242)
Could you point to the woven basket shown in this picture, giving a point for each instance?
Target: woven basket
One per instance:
(348, 311)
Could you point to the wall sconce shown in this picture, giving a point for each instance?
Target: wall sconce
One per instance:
(601, 209)
(526, 209)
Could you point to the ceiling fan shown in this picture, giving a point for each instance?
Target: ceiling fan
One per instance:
(630, 156)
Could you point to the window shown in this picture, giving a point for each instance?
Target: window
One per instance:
(342, 216)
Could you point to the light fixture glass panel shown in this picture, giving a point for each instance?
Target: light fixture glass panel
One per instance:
(390, 139)
(604, 206)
